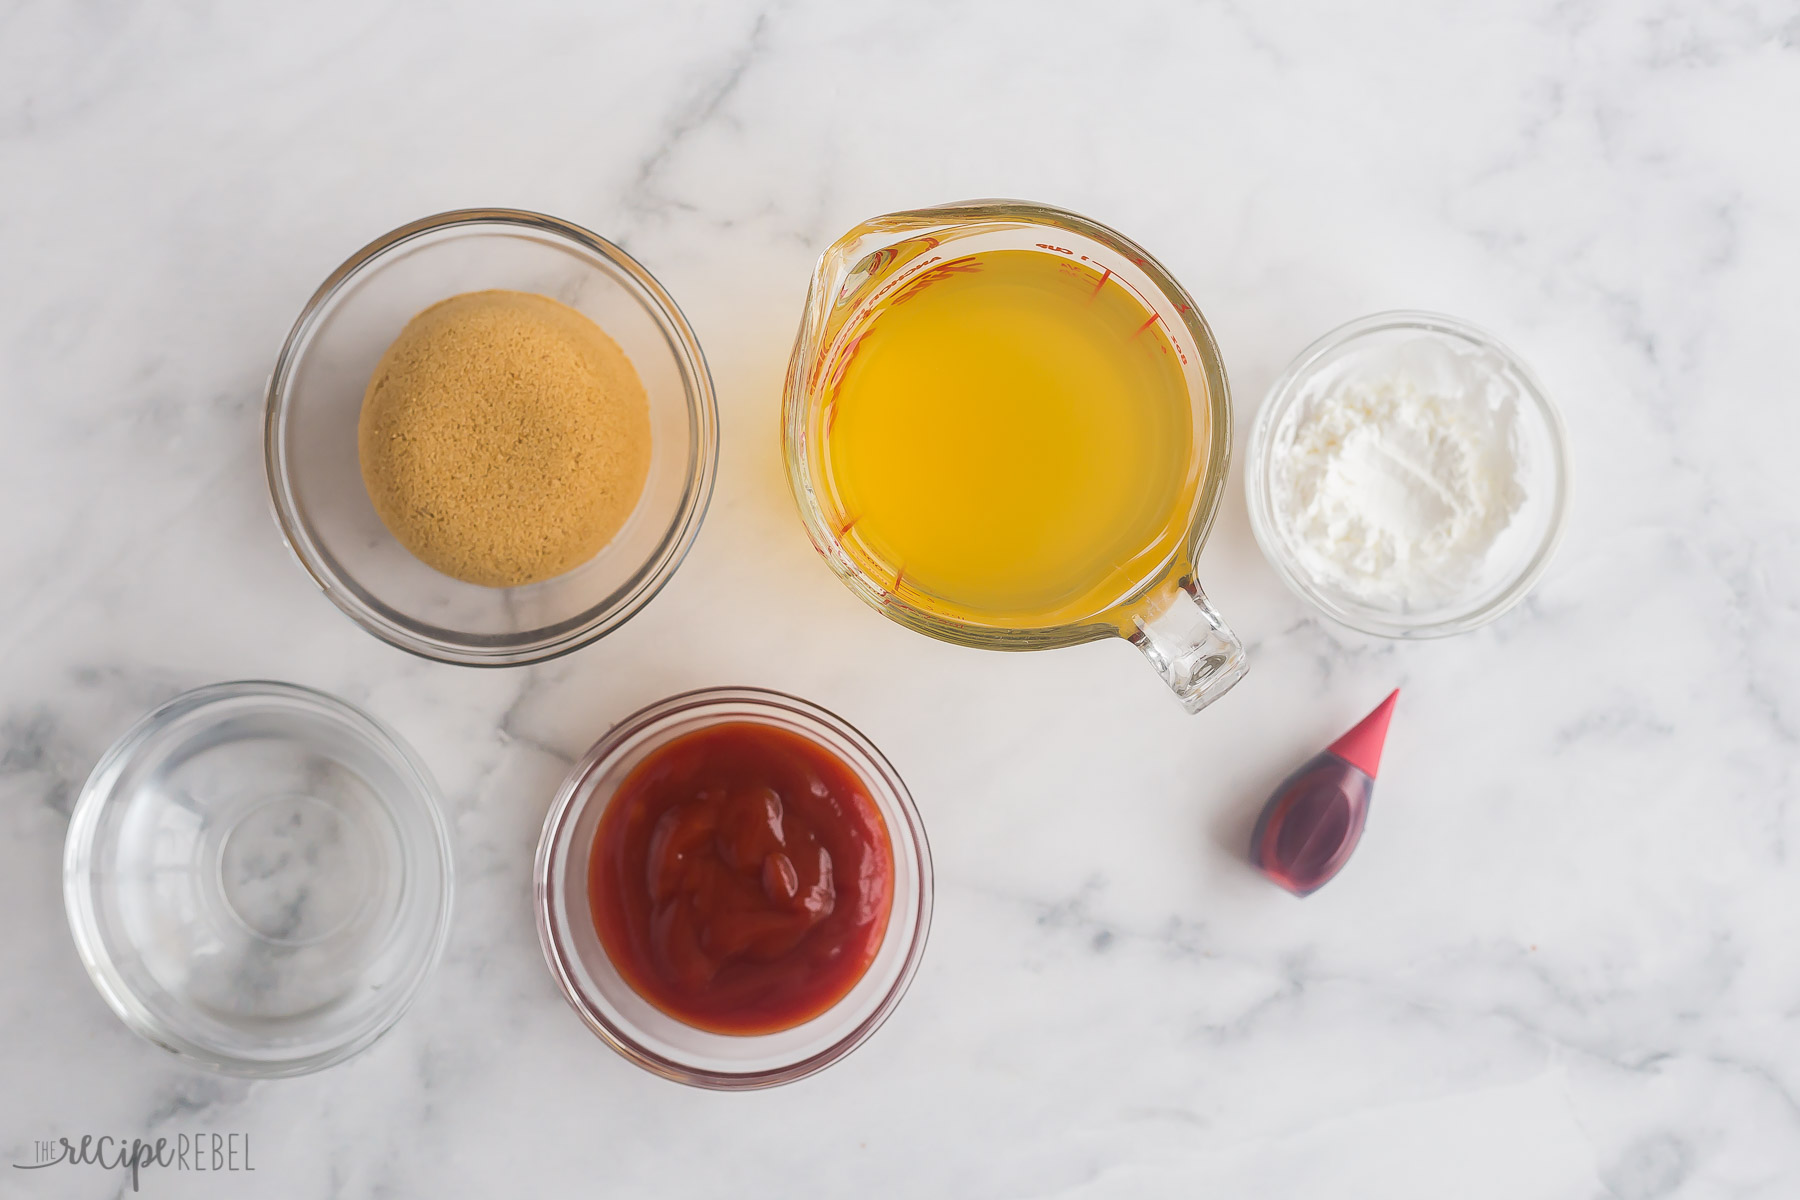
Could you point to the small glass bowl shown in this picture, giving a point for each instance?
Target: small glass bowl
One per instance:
(1520, 555)
(638, 1029)
(258, 878)
(316, 395)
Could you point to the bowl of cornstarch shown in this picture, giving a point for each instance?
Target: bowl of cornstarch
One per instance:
(1408, 476)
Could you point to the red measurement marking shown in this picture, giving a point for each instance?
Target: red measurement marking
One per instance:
(1148, 322)
(1100, 283)
(896, 281)
(839, 365)
(924, 279)
(899, 577)
(848, 525)
(1057, 249)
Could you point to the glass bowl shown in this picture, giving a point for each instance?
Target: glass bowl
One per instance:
(1523, 550)
(258, 878)
(316, 395)
(632, 1025)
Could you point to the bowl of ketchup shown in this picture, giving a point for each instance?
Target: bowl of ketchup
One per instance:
(733, 888)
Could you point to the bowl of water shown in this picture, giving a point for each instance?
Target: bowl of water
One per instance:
(258, 878)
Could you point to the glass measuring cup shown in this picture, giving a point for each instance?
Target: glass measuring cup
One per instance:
(1159, 606)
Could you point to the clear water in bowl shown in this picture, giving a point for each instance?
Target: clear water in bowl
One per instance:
(258, 878)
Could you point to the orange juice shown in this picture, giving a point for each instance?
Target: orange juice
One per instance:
(1009, 441)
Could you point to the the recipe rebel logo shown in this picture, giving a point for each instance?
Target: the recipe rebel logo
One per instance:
(194, 1153)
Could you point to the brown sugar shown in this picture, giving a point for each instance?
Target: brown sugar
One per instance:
(504, 438)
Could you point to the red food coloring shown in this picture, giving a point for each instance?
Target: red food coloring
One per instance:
(1314, 820)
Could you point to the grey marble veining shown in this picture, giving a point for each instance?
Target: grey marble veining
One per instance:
(1562, 964)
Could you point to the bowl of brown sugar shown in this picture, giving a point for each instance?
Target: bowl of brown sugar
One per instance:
(490, 437)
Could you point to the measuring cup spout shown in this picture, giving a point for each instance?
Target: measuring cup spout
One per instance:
(1189, 644)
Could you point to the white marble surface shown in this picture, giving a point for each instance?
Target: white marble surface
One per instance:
(1563, 963)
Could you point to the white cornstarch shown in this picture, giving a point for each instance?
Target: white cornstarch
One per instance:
(1392, 482)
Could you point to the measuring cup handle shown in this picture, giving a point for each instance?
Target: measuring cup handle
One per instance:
(1190, 645)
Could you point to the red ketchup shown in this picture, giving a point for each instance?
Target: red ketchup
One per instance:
(1315, 818)
(741, 878)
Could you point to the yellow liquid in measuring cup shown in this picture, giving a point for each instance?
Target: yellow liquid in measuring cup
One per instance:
(1010, 441)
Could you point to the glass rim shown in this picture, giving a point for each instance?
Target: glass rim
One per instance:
(555, 640)
(77, 875)
(573, 797)
(1258, 483)
(1216, 466)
